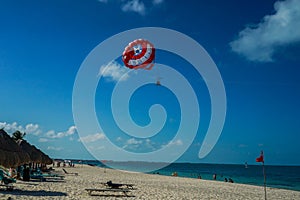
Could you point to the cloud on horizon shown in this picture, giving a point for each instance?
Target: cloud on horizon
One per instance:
(28, 129)
(48, 141)
(260, 42)
(54, 148)
(35, 129)
(176, 142)
(44, 140)
(92, 138)
(142, 145)
(52, 134)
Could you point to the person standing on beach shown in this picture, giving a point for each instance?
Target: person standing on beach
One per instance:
(12, 173)
(215, 177)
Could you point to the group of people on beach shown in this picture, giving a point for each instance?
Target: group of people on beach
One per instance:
(6, 177)
(214, 177)
(228, 180)
(225, 179)
(63, 163)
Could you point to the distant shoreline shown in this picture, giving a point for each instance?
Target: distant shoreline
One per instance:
(254, 164)
(280, 177)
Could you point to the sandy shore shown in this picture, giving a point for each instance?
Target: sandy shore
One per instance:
(147, 186)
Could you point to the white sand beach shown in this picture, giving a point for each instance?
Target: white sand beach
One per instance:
(146, 186)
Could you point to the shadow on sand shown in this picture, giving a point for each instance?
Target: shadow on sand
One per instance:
(111, 195)
(48, 180)
(17, 192)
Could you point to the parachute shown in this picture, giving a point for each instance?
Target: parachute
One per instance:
(139, 54)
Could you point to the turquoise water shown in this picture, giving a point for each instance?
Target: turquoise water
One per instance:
(286, 177)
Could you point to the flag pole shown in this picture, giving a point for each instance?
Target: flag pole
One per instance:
(265, 185)
(261, 159)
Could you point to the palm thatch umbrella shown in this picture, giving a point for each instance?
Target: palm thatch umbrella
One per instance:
(11, 155)
(36, 155)
(45, 158)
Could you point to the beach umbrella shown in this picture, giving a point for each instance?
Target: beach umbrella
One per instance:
(11, 155)
(36, 155)
(46, 159)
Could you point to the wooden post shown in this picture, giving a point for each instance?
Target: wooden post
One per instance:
(265, 185)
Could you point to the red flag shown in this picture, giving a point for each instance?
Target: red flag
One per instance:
(261, 157)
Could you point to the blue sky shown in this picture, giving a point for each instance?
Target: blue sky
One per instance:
(255, 45)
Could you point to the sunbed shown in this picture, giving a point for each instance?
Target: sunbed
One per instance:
(74, 173)
(124, 191)
(6, 181)
(113, 187)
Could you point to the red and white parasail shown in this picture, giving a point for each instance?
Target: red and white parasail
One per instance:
(139, 54)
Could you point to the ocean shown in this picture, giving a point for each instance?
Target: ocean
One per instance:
(285, 177)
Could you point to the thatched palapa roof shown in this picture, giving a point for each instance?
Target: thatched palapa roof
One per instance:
(11, 155)
(36, 155)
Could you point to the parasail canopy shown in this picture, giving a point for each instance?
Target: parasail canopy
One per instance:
(139, 54)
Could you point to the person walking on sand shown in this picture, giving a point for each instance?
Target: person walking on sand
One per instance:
(215, 177)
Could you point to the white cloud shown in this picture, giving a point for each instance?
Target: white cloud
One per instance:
(156, 2)
(92, 138)
(96, 148)
(33, 129)
(137, 6)
(28, 129)
(69, 132)
(176, 142)
(114, 71)
(54, 148)
(51, 134)
(10, 127)
(259, 43)
(44, 140)
(132, 144)
(140, 145)
(150, 145)
(134, 141)
(134, 6)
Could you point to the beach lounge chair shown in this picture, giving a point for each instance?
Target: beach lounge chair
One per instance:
(38, 172)
(6, 181)
(124, 191)
(9, 186)
(53, 176)
(113, 187)
(74, 173)
(110, 184)
(37, 176)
